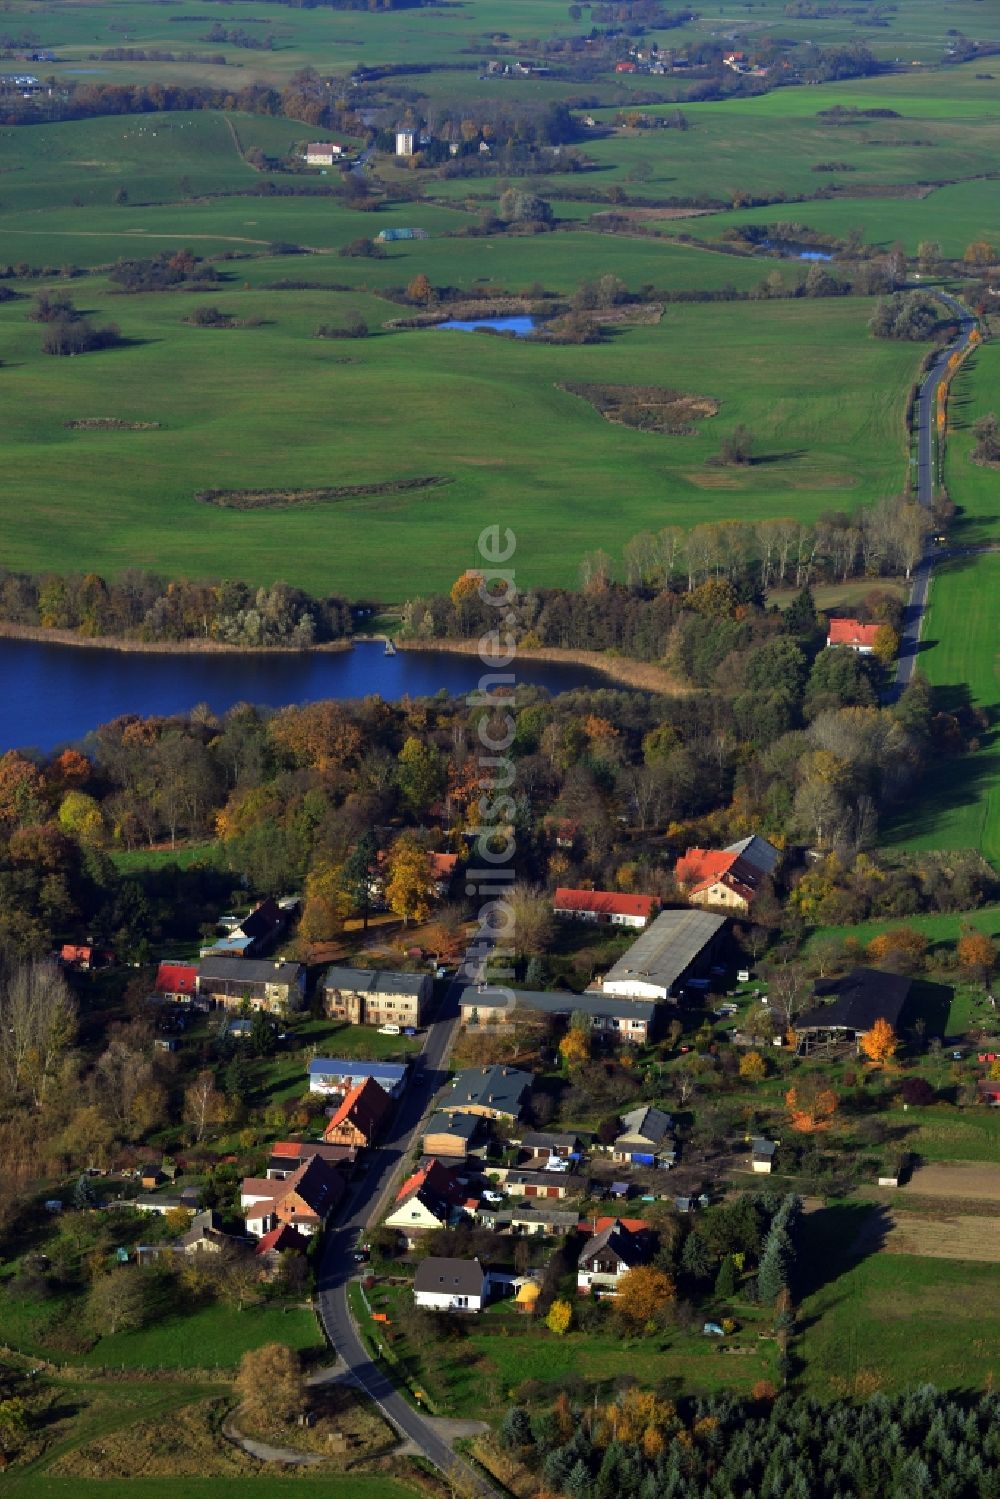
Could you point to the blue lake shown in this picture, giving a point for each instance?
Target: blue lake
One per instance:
(54, 694)
(521, 325)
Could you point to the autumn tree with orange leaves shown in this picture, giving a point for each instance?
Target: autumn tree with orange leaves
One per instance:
(977, 954)
(644, 1293)
(880, 1043)
(811, 1106)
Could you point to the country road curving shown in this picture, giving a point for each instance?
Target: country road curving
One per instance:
(365, 1204)
(926, 406)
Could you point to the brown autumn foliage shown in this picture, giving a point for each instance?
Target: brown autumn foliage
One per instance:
(812, 1106)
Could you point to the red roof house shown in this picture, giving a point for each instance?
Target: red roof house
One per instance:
(605, 905)
(177, 980)
(360, 1117)
(853, 634)
(717, 877)
(282, 1240)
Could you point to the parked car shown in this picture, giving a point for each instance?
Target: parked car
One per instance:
(494, 1198)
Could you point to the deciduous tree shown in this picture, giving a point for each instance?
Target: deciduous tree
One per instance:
(559, 1318)
(880, 1043)
(644, 1293)
(410, 884)
(811, 1105)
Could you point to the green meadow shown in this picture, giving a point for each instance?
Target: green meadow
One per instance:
(272, 405)
(959, 801)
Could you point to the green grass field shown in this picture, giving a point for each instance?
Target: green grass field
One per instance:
(942, 928)
(895, 1319)
(959, 801)
(208, 1338)
(266, 1486)
(133, 861)
(272, 405)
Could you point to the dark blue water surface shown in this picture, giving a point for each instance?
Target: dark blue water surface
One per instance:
(53, 694)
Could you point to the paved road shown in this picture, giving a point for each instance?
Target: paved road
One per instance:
(926, 410)
(364, 1206)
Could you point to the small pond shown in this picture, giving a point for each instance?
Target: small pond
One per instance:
(795, 252)
(521, 325)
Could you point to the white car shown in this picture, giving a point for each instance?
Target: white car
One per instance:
(556, 1163)
(494, 1198)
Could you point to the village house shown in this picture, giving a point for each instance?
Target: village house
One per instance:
(288, 1155)
(540, 1219)
(850, 1005)
(555, 1186)
(494, 1092)
(338, 1076)
(368, 996)
(542, 1145)
(622, 1020)
(303, 1200)
(728, 876)
(323, 153)
(454, 1135)
(762, 1155)
(853, 634)
(679, 946)
(177, 982)
(267, 984)
(206, 1235)
(283, 1239)
(254, 935)
(360, 1118)
(647, 1138)
(605, 906)
(427, 1200)
(406, 141)
(442, 1284)
(716, 877)
(609, 1254)
(83, 956)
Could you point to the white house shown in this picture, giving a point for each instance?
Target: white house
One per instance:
(450, 1285)
(406, 142)
(323, 154)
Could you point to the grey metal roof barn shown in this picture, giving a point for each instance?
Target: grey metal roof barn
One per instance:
(560, 1002)
(662, 955)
